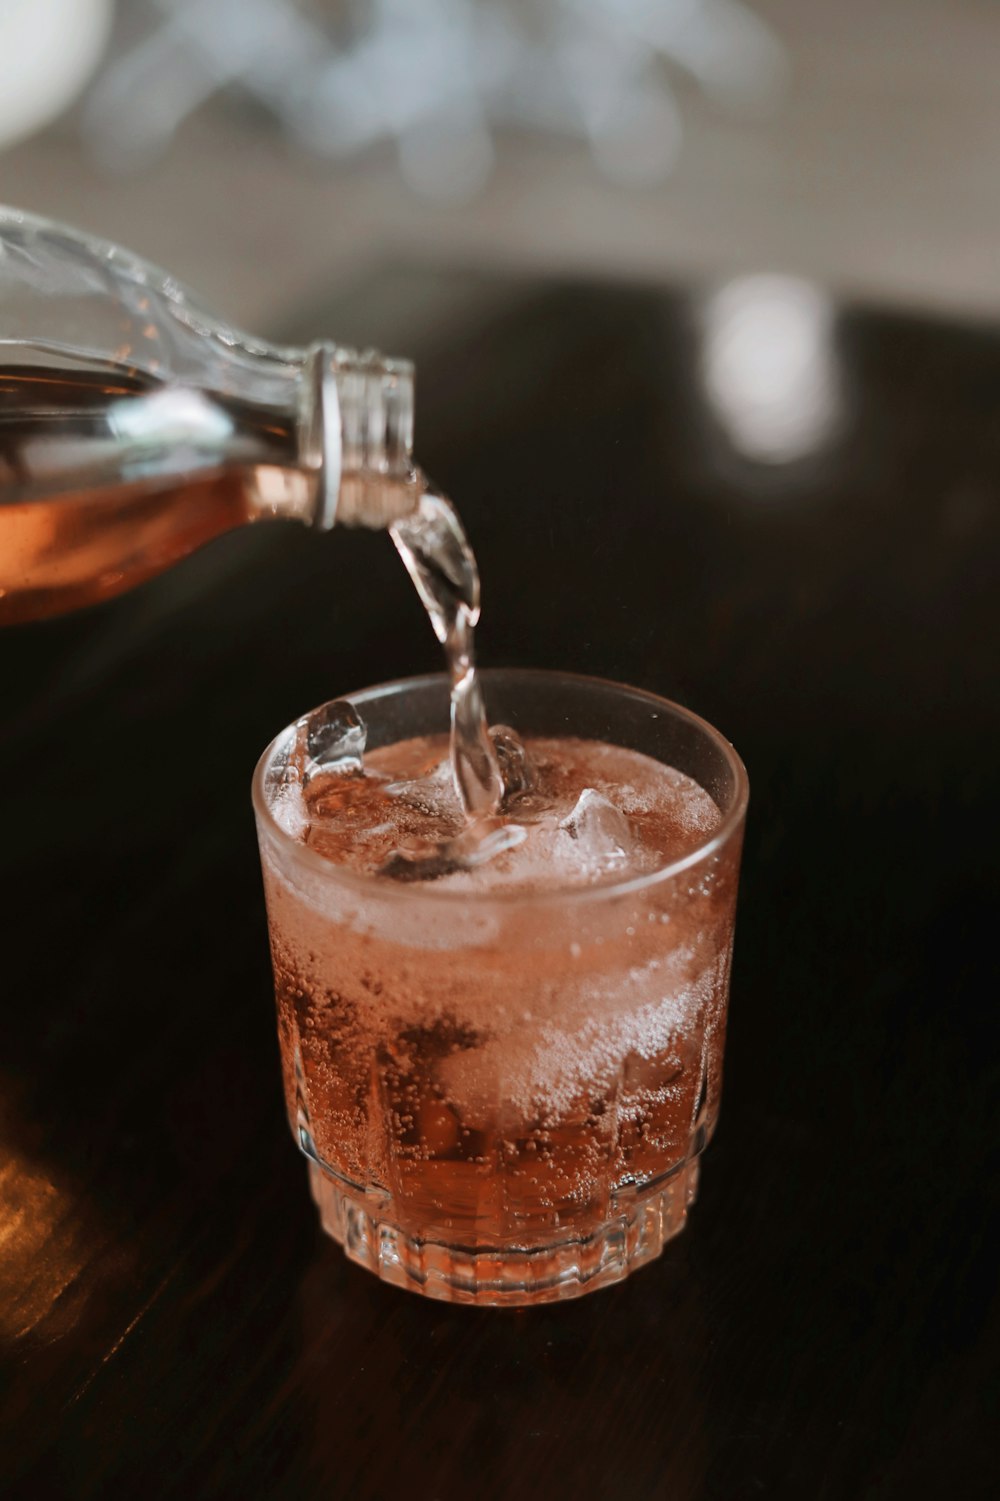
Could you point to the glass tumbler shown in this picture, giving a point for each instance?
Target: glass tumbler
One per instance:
(503, 1096)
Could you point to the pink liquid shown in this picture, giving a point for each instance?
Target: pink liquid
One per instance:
(89, 539)
(495, 1064)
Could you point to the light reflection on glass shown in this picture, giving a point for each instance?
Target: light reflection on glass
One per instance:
(176, 415)
(769, 366)
(41, 1244)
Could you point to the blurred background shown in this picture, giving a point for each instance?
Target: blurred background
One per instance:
(267, 151)
(694, 289)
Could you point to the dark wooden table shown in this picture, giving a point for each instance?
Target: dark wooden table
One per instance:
(172, 1322)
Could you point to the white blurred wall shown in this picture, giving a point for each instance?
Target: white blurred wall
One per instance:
(877, 174)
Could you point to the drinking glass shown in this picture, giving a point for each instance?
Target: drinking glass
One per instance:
(503, 1095)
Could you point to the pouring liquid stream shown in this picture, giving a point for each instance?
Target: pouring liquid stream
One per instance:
(436, 553)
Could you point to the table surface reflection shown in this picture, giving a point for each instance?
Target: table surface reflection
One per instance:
(782, 513)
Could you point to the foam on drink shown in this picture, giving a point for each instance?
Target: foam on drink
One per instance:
(585, 812)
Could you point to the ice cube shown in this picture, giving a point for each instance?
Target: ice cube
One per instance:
(600, 830)
(420, 862)
(515, 768)
(427, 860)
(488, 839)
(335, 737)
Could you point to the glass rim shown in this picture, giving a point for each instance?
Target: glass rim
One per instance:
(367, 883)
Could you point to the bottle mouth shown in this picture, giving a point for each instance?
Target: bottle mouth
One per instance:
(378, 503)
(357, 435)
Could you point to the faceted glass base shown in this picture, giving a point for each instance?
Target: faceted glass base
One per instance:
(508, 1276)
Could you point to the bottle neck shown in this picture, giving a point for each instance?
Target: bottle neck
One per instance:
(322, 436)
(356, 436)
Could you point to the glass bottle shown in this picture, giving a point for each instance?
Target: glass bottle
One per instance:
(134, 427)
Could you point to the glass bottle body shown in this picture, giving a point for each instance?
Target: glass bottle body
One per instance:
(134, 427)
